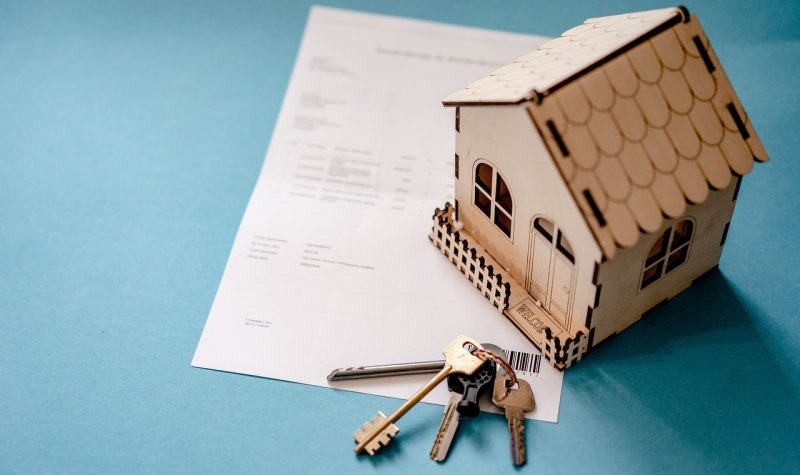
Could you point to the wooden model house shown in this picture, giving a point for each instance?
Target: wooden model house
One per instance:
(596, 177)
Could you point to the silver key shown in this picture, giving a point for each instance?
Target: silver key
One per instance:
(447, 429)
(515, 401)
(363, 372)
(465, 394)
(399, 369)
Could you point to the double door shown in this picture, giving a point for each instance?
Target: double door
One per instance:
(551, 273)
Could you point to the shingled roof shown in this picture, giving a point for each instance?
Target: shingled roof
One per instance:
(556, 61)
(638, 115)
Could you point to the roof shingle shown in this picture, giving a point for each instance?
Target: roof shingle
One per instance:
(663, 128)
(562, 57)
(638, 115)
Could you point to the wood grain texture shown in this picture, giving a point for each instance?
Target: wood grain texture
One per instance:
(649, 129)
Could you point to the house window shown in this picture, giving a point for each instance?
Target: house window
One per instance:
(546, 228)
(670, 250)
(493, 197)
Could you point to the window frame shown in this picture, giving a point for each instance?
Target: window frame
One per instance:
(555, 237)
(493, 201)
(661, 261)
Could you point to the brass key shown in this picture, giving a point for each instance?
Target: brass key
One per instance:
(515, 402)
(377, 432)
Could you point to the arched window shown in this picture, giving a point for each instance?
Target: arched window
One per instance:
(668, 252)
(493, 197)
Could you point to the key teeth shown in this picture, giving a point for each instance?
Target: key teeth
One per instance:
(518, 446)
(379, 440)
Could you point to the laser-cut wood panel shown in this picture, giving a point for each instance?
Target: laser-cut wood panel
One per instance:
(635, 124)
(621, 97)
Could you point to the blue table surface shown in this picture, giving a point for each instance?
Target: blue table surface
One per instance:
(131, 136)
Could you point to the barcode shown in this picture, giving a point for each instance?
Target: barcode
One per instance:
(522, 361)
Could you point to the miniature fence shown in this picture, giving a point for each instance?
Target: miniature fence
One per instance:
(468, 259)
(563, 355)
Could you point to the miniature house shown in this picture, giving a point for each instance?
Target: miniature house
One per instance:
(596, 177)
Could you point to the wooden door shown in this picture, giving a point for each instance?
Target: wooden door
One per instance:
(561, 287)
(541, 253)
(551, 276)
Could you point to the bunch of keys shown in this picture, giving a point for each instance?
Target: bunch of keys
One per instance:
(471, 369)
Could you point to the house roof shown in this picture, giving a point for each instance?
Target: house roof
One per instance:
(554, 62)
(650, 127)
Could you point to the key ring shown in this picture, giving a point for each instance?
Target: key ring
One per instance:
(512, 375)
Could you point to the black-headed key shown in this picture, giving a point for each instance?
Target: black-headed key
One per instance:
(472, 387)
(465, 391)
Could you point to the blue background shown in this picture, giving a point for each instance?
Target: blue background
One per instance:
(131, 136)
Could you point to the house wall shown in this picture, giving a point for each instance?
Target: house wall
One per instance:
(621, 303)
(506, 137)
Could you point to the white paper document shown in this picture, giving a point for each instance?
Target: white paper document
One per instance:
(332, 266)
